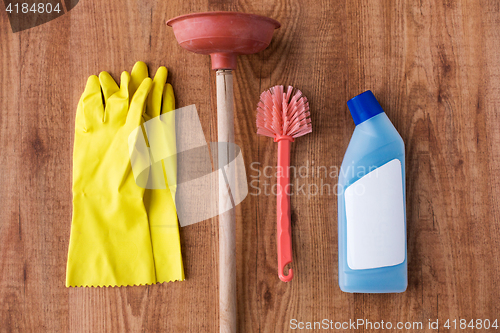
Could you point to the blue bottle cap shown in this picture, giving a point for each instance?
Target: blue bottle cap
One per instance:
(363, 107)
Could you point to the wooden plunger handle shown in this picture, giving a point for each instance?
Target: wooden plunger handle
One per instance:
(227, 233)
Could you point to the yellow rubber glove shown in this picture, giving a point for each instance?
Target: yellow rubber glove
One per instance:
(160, 201)
(110, 242)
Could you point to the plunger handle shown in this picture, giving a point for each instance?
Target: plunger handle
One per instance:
(227, 232)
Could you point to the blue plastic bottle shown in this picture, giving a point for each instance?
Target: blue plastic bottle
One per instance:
(371, 204)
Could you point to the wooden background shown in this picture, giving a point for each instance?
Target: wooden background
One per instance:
(433, 65)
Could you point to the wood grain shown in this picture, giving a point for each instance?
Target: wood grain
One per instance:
(433, 65)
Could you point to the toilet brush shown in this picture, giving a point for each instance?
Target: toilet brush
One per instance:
(283, 116)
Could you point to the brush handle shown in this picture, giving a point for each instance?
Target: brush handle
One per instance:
(284, 230)
(227, 233)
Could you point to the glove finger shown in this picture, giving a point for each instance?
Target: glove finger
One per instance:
(117, 101)
(80, 115)
(108, 85)
(168, 99)
(138, 74)
(92, 88)
(153, 107)
(92, 106)
(138, 103)
(124, 86)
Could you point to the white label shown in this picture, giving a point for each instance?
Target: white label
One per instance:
(375, 218)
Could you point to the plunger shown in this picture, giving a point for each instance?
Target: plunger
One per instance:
(224, 36)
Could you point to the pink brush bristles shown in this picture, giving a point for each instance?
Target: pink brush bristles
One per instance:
(281, 114)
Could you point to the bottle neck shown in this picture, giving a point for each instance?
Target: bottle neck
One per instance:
(363, 107)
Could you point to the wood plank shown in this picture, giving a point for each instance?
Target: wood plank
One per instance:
(12, 263)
